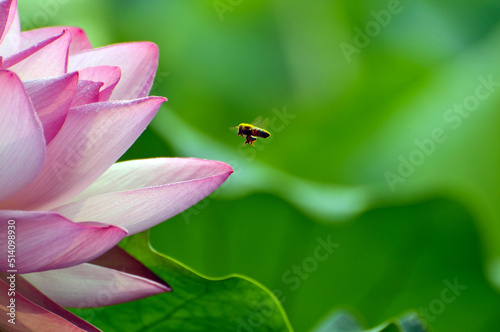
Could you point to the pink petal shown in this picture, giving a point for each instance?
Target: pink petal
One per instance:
(91, 139)
(47, 240)
(171, 186)
(137, 71)
(86, 92)
(45, 59)
(11, 43)
(88, 285)
(22, 146)
(52, 98)
(109, 75)
(79, 40)
(7, 15)
(120, 260)
(35, 311)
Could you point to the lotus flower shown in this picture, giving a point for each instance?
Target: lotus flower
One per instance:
(67, 114)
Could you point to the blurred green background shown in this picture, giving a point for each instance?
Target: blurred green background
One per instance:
(384, 118)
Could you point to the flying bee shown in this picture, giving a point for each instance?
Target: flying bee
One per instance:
(251, 132)
(249, 140)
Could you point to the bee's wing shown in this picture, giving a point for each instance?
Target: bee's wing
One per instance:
(261, 122)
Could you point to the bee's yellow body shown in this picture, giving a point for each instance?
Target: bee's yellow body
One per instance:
(251, 132)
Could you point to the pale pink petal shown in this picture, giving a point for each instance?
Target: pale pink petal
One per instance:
(120, 260)
(7, 10)
(88, 285)
(47, 240)
(45, 59)
(10, 28)
(91, 139)
(22, 145)
(52, 98)
(171, 186)
(109, 75)
(11, 43)
(86, 92)
(143, 173)
(35, 311)
(79, 40)
(137, 61)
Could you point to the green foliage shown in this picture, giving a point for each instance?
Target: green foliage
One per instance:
(341, 321)
(195, 304)
(391, 151)
(423, 256)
